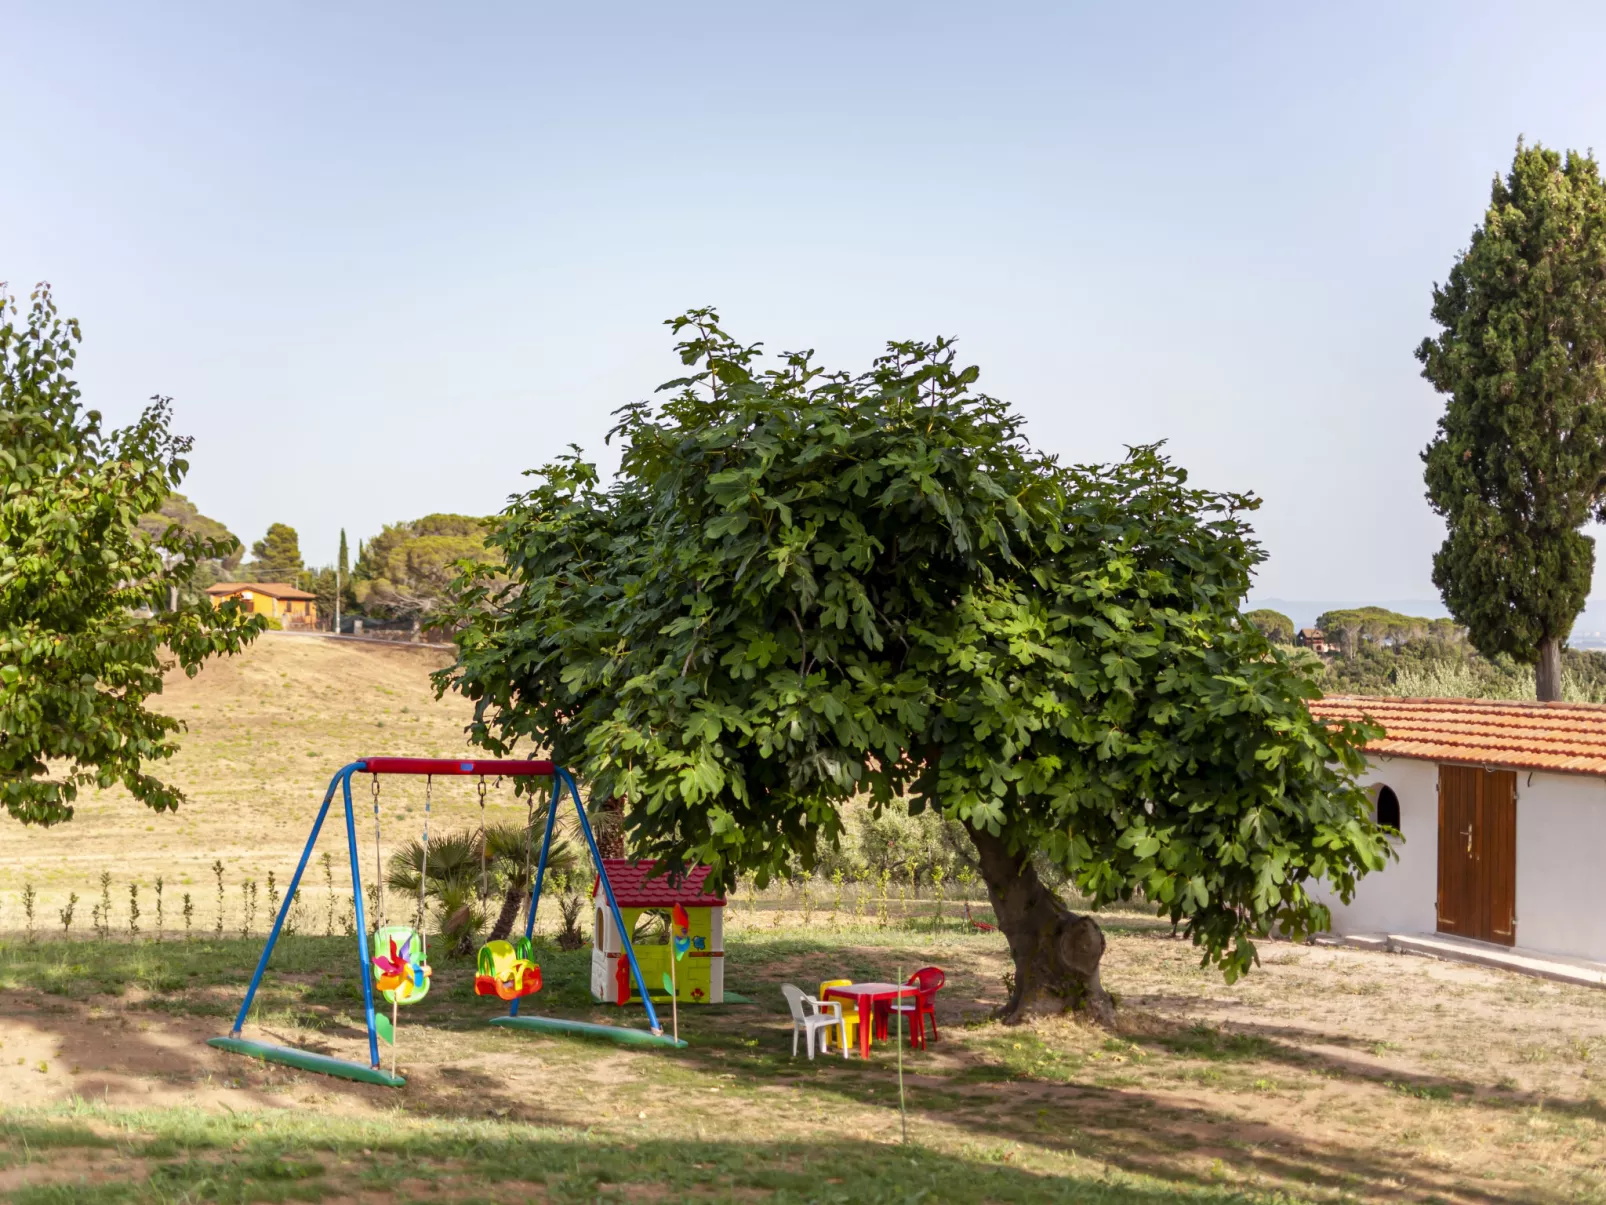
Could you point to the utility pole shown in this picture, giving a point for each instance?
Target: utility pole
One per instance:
(340, 571)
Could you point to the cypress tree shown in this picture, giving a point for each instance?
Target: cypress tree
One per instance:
(1519, 462)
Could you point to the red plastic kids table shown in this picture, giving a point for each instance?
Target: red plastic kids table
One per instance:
(868, 994)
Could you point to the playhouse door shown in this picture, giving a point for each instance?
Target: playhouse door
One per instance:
(1478, 853)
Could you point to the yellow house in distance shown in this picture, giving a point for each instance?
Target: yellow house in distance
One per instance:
(291, 607)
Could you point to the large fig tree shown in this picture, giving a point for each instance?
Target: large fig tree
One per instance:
(806, 587)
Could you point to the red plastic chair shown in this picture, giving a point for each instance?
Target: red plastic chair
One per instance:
(928, 980)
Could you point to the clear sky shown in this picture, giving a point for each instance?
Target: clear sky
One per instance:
(385, 257)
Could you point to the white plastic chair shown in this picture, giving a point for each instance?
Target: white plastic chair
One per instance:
(820, 1021)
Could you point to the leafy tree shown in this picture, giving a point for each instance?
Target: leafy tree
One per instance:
(807, 586)
(321, 582)
(343, 564)
(1519, 462)
(83, 577)
(176, 508)
(407, 570)
(1434, 668)
(277, 556)
(1354, 626)
(1274, 625)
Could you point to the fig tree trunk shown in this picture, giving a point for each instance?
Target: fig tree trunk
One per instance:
(1056, 952)
(611, 828)
(1547, 673)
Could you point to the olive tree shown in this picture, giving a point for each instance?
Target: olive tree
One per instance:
(807, 586)
(90, 587)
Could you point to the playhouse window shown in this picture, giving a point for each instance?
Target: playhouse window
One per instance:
(651, 928)
(1388, 808)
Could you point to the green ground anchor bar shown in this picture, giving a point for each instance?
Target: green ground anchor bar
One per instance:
(588, 1029)
(306, 1060)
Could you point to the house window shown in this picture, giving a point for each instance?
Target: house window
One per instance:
(1388, 808)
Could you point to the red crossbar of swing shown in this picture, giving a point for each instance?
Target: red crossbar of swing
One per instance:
(447, 765)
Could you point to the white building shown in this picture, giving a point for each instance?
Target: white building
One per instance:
(1501, 809)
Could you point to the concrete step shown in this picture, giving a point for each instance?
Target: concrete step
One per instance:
(1560, 967)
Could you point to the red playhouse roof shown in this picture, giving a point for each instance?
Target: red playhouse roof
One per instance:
(633, 889)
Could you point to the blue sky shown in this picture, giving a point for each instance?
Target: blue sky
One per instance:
(388, 257)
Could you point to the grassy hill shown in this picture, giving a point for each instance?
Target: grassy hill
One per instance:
(266, 731)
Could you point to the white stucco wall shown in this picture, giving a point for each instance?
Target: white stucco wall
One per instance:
(1561, 861)
(1561, 848)
(1403, 897)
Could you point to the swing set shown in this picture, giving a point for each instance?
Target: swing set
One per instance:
(397, 959)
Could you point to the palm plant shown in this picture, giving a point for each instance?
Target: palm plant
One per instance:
(464, 870)
(512, 850)
(453, 880)
(569, 887)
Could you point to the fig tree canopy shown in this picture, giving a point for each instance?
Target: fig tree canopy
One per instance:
(807, 587)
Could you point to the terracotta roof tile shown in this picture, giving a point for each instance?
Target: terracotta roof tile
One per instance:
(633, 889)
(1563, 737)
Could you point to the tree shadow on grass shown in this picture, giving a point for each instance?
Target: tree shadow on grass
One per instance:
(1130, 1128)
(1139, 1130)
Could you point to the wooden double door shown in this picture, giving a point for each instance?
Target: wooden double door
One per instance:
(1478, 853)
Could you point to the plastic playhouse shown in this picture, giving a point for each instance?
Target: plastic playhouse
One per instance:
(701, 974)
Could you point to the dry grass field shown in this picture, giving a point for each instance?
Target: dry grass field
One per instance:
(265, 732)
(1328, 1074)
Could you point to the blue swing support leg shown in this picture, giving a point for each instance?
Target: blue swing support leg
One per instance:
(289, 1055)
(362, 923)
(655, 1035)
(540, 870)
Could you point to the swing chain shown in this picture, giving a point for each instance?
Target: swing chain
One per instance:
(379, 864)
(423, 868)
(529, 853)
(485, 882)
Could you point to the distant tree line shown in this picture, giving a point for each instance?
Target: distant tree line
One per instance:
(1383, 652)
(403, 573)
(1354, 627)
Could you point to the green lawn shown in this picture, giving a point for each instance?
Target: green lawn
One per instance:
(1272, 1090)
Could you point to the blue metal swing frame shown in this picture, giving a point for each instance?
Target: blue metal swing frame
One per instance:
(373, 1073)
(655, 1035)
